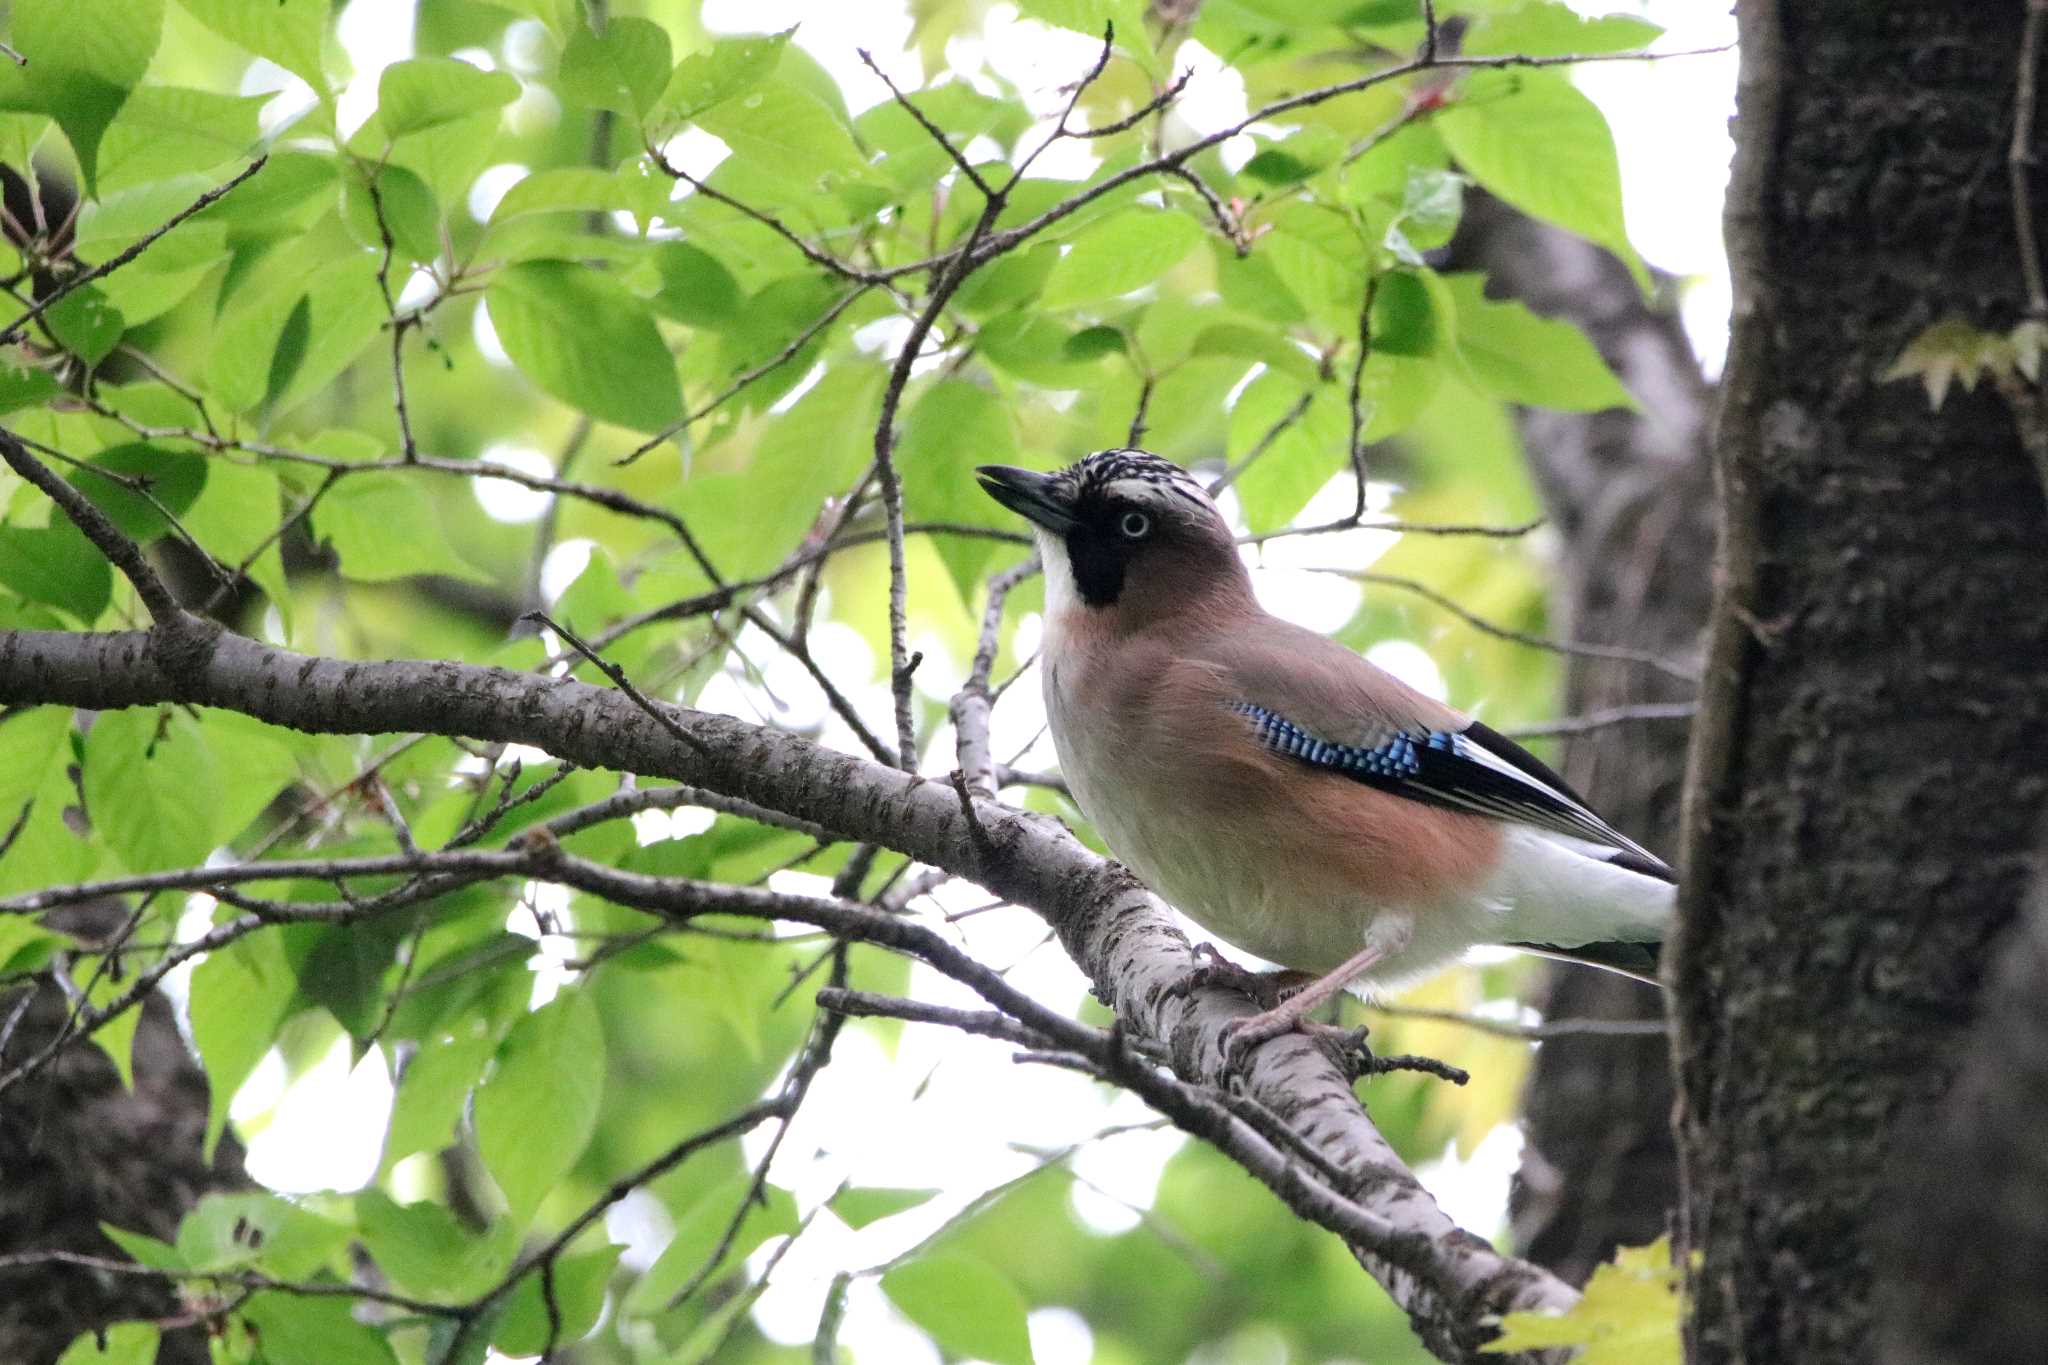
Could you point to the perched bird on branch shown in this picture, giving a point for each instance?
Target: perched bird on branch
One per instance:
(1288, 796)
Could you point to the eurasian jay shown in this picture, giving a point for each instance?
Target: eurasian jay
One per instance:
(1285, 794)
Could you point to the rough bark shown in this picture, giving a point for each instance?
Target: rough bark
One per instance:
(1450, 1282)
(78, 1149)
(1867, 775)
(1630, 496)
(1966, 1253)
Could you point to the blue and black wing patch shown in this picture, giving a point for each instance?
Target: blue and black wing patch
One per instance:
(1476, 770)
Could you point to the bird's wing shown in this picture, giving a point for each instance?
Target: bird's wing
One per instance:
(1474, 769)
(1315, 701)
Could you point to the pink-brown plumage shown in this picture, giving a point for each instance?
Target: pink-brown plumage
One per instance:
(1283, 792)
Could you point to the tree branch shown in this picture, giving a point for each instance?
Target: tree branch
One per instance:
(1449, 1281)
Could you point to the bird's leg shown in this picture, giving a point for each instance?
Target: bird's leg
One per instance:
(1266, 988)
(1388, 935)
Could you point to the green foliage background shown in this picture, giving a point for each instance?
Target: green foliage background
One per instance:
(239, 375)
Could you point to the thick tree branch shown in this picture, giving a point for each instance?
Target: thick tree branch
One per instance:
(1447, 1280)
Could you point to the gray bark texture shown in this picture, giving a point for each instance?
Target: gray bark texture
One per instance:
(1631, 497)
(1965, 1259)
(1867, 775)
(76, 1150)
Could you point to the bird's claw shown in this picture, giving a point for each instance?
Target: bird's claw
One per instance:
(1268, 989)
(1240, 1036)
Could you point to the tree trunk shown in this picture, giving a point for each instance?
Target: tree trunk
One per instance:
(77, 1149)
(1630, 496)
(1964, 1263)
(1867, 775)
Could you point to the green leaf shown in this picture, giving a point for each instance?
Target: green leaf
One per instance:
(142, 767)
(1126, 252)
(402, 205)
(425, 92)
(57, 565)
(788, 135)
(579, 1285)
(144, 1249)
(123, 1343)
(296, 1328)
(86, 324)
(695, 288)
(234, 517)
(173, 480)
(1527, 359)
(588, 342)
(1533, 139)
(1551, 28)
(565, 189)
(1629, 1314)
(241, 996)
(859, 1207)
(538, 1108)
(383, 527)
(749, 519)
(26, 946)
(433, 1092)
(1305, 455)
(1296, 157)
(952, 427)
(699, 1229)
(288, 32)
(624, 69)
(729, 67)
(256, 1229)
(23, 386)
(968, 1308)
(428, 1252)
(82, 61)
(165, 130)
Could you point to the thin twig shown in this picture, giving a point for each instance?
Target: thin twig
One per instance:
(1534, 1033)
(1619, 653)
(1358, 412)
(1603, 719)
(747, 377)
(129, 253)
(106, 537)
(619, 680)
(931, 130)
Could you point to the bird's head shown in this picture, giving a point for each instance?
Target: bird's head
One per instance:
(1123, 532)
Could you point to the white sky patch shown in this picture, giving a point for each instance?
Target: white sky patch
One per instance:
(418, 290)
(1412, 664)
(374, 33)
(327, 1131)
(490, 187)
(1670, 122)
(833, 34)
(695, 153)
(294, 98)
(535, 111)
(507, 501)
(486, 336)
(563, 566)
(527, 47)
(1475, 1192)
(1060, 1336)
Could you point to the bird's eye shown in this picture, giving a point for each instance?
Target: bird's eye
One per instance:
(1135, 525)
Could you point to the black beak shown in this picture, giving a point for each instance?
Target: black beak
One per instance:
(1035, 497)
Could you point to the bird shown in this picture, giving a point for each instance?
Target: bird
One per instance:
(1287, 795)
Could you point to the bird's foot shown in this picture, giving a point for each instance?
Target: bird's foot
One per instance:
(1266, 988)
(1240, 1036)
